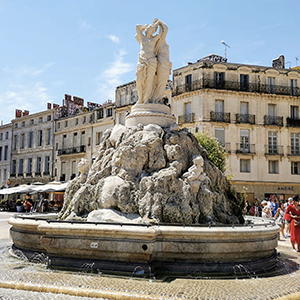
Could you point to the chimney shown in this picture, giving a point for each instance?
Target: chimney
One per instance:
(18, 113)
(278, 62)
(49, 105)
(25, 113)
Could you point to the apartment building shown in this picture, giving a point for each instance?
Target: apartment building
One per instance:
(5, 153)
(32, 147)
(254, 112)
(78, 131)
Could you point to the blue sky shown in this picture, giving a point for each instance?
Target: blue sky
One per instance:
(86, 48)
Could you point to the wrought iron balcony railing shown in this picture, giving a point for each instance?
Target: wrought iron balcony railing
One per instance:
(188, 118)
(219, 117)
(73, 150)
(12, 174)
(245, 149)
(290, 122)
(293, 151)
(273, 120)
(245, 118)
(273, 150)
(235, 86)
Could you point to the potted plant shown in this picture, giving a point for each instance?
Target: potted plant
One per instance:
(19, 205)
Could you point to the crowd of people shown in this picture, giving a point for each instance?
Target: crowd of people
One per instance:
(285, 213)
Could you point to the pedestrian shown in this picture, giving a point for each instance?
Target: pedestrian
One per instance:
(28, 203)
(266, 211)
(279, 218)
(288, 218)
(293, 211)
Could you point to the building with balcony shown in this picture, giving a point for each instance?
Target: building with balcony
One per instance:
(5, 153)
(78, 132)
(253, 111)
(32, 147)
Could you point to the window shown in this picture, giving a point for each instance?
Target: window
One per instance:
(220, 135)
(66, 123)
(82, 142)
(48, 136)
(23, 124)
(58, 125)
(74, 167)
(0, 153)
(89, 141)
(273, 166)
(29, 165)
(123, 99)
(22, 140)
(294, 112)
(41, 120)
(38, 165)
(245, 165)
(272, 142)
(49, 118)
(7, 135)
(76, 121)
(188, 82)
(245, 140)
(63, 170)
(16, 125)
(75, 139)
(219, 106)
(293, 86)
(47, 164)
(122, 119)
(5, 152)
(1, 136)
(295, 144)
(21, 166)
(244, 108)
(109, 112)
(295, 168)
(98, 138)
(13, 167)
(64, 142)
(40, 137)
(30, 139)
(100, 114)
(15, 142)
(244, 82)
(271, 85)
(219, 79)
(31, 121)
(84, 119)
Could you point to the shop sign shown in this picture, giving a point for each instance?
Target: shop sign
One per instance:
(285, 188)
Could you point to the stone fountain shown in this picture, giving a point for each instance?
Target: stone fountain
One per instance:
(151, 198)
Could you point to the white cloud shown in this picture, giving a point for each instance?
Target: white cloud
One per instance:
(112, 77)
(114, 38)
(85, 25)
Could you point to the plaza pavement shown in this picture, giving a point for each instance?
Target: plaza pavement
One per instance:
(40, 284)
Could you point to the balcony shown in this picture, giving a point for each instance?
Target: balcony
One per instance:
(290, 122)
(38, 174)
(188, 118)
(245, 118)
(293, 151)
(235, 86)
(272, 120)
(273, 150)
(245, 149)
(73, 150)
(20, 174)
(13, 175)
(62, 177)
(219, 117)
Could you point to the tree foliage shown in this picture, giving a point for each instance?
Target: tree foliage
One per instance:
(216, 152)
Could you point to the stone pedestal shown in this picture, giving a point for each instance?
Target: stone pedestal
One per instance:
(150, 113)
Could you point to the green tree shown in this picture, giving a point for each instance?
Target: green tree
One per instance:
(216, 152)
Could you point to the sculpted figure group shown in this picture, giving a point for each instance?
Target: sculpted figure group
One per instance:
(153, 68)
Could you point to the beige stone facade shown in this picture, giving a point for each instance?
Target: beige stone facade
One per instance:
(32, 148)
(78, 136)
(254, 112)
(5, 153)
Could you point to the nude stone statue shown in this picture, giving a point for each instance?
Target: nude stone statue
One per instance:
(153, 68)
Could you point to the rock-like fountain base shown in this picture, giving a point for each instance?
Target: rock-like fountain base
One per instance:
(157, 249)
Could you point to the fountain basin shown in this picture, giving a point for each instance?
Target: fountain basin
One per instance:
(158, 248)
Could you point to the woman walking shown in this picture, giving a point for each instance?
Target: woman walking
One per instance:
(293, 211)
